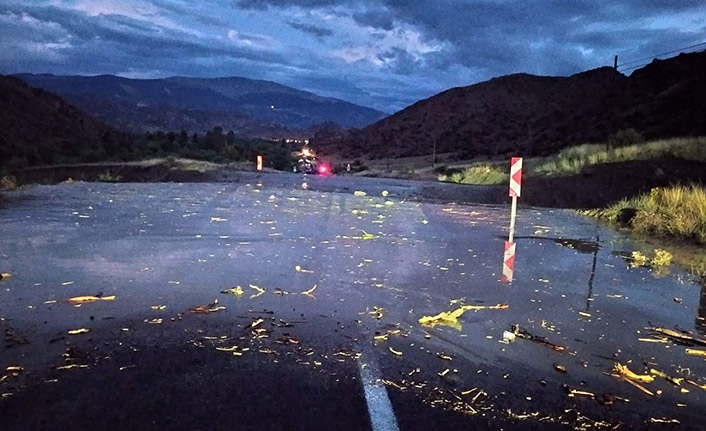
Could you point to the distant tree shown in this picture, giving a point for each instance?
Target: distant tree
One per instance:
(231, 152)
(183, 138)
(214, 139)
(110, 144)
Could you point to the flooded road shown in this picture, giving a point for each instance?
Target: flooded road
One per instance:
(258, 306)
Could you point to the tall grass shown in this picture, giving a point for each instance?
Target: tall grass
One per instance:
(677, 211)
(479, 174)
(571, 161)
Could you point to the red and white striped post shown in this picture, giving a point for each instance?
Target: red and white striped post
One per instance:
(515, 188)
(259, 163)
(508, 262)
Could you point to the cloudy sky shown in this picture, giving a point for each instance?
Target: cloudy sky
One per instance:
(385, 54)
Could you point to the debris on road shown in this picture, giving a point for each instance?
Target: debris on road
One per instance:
(450, 318)
(664, 421)
(560, 368)
(207, 308)
(79, 331)
(623, 371)
(696, 352)
(309, 292)
(91, 298)
(257, 289)
(237, 291)
(376, 312)
(509, 337)
(5, 275)
(12, 371)
(572, 393)
(679, 337)
(305, 271)
(676, 381)
(522, 333)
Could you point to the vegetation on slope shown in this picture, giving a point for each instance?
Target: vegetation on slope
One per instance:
(214, 146)
(573, 160)
(677, 211)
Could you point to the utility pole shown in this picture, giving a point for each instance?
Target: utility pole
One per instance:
(433, 154)
(611, 108)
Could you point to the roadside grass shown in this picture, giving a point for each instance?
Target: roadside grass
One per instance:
(676, 211)
(485, 174)
(8, 182)
(108, 177)
(572, 160)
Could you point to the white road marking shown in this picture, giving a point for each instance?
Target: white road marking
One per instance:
(382, 417)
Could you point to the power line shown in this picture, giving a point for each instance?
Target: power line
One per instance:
(659, 55)
(641, 64)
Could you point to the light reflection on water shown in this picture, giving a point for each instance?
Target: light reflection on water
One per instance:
(180, 245)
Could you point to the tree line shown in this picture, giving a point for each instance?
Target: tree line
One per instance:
(215, 146)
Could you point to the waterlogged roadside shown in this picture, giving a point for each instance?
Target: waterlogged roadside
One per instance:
(265, 277)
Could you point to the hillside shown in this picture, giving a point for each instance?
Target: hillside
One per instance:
(248, 107)
(537, 115)
(36, 124)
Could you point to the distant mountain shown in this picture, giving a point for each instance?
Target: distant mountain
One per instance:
(248, 107)
(531, 115)
(35, 124)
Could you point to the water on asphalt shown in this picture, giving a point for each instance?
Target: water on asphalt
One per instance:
(342, 278)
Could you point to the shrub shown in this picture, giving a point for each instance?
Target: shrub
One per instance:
(8, 182)
(108, 177)
(479, 174)
(677, 211)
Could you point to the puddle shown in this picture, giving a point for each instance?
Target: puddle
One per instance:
(377, 264)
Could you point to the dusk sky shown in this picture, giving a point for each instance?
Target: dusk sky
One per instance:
(382, 54)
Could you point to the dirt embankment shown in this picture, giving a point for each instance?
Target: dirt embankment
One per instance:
(600, 185)
(597, 186)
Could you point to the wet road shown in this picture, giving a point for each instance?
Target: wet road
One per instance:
(319, 328)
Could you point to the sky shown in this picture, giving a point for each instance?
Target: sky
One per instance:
(385, 54)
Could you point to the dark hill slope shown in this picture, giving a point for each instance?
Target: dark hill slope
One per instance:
(35, 123)
(531, 115)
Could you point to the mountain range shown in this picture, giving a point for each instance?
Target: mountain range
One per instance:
(514, 114)
(246, 106)
(538, 115)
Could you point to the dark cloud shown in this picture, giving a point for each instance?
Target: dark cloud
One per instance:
(144, 41)
(375, 20)
(203, 18)
(263, 5)
(319, 32)
(381, 53)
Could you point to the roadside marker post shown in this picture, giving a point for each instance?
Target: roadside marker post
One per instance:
(508, 262)
(515, 189)
(259, 162)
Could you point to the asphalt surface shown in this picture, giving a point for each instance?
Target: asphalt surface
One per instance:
(323, 331)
